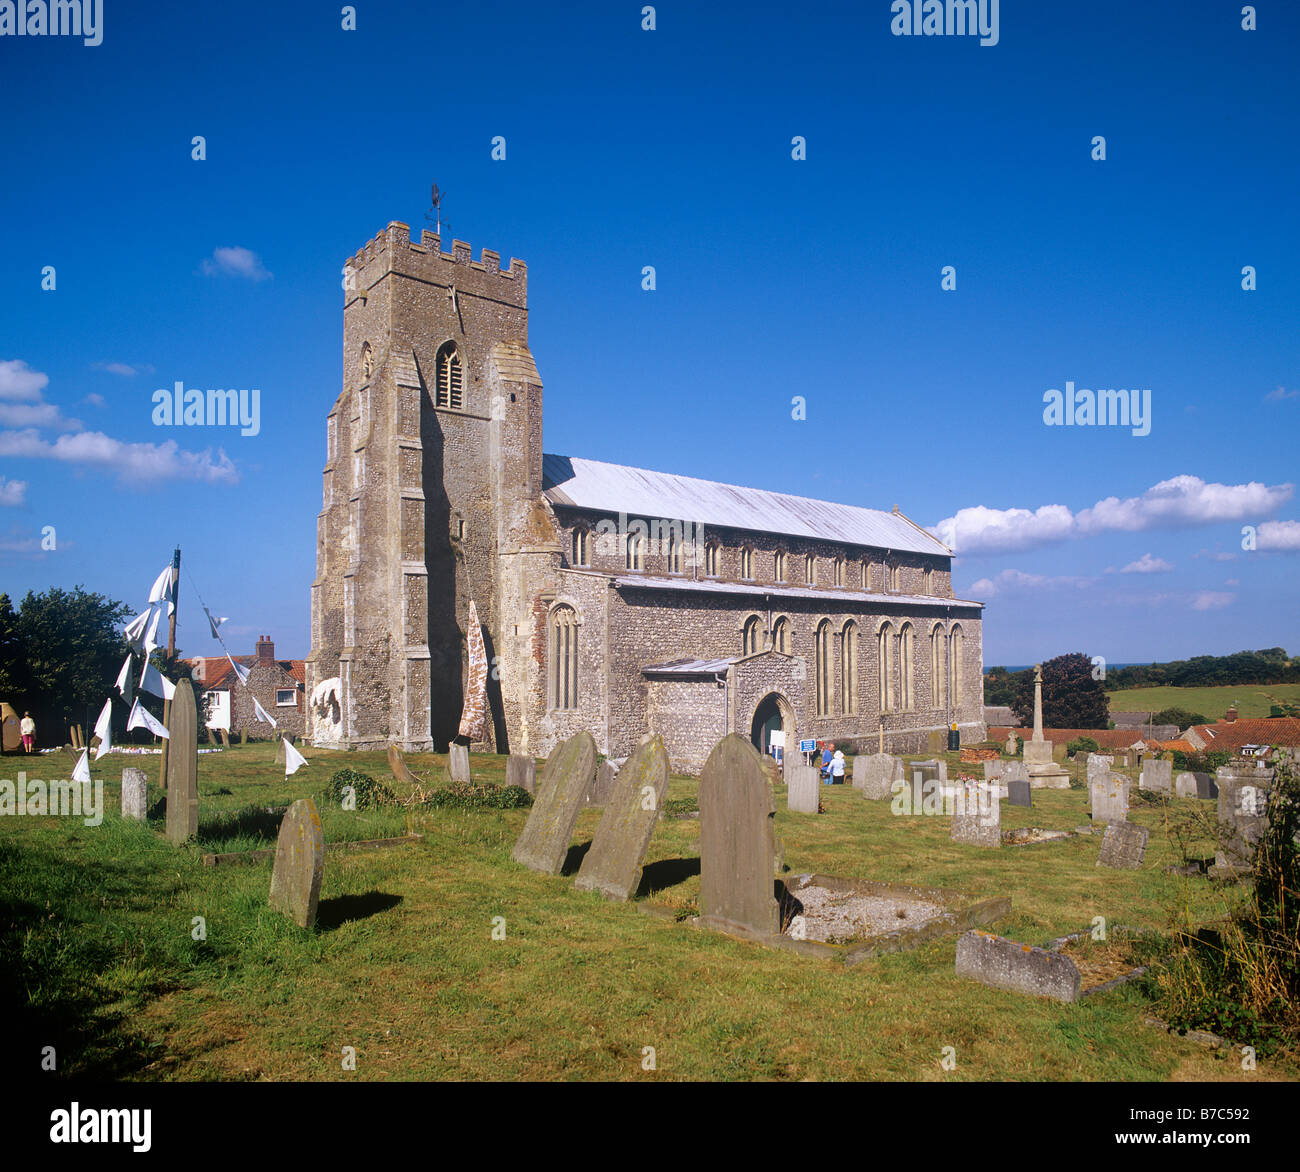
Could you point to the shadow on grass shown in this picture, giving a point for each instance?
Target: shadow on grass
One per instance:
(250, 822)
(573, 860)
(334, 913)
(666, 873)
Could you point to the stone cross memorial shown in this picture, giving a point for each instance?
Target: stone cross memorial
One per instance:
(612, 865)
(183, 766)
(299, 864)
(135, 791)
(737, 842)
(561, 791)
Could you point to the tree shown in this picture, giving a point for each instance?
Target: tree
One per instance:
(1179, 716)
(13, 663)
(1000, 686)
(1071, 697)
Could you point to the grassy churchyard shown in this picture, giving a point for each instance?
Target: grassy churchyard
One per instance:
(137, 961)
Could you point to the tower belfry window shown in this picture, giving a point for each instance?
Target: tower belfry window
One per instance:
(450, 389)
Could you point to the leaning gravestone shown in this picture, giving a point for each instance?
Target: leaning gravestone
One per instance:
(1019, 968)
(396, 766)
(561, 791)
(602, 786)
(135, 790)
(458, 762)
(612, 865)
(299, 864)
(976, 815)
(183, 766)
(875, 773)
(802, 789)
(521, 771)
(737, 842)
(1243, 815)
(1108, 795)
(1124, 846)
(1020, 793)
(1157, 776)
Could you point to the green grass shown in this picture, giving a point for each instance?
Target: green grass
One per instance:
(97, 949)
(1251, 699)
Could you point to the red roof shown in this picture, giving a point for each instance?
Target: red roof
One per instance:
(1279, 730)
(1107, 738)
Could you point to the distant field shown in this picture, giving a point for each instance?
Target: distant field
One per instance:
(1251, 700)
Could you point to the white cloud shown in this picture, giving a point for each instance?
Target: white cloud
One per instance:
(36, 415)
(1179, 501)
(1278, 535)
(1281, 393)
(12, 492)
(95, 400)
(132, 462)
(235, 262)
(1211, 600)
(1147, 564)
(123, 368)
(19, 382)
(1232, 582)
(1013, 580)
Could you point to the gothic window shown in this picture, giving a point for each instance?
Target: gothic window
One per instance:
(674, 553)
(885, 654)
(810, 570)
(849, 670)
(954, 665)
(749, 636)
(564, 658)
(450, 383)
(781, 636)
(711, 560)
(929, 581)
(822, 658)
(938, 664)
(866, 575)
(905, 658)
(746, 562)
(635, 552)
(778, 566)
(581, 547)
(839, 571)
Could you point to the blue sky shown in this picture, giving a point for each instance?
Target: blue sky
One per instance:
(775, 278)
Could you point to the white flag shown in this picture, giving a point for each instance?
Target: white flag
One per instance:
(241, 672)
(82, 772)
(143, 718)
(126, 681)
(162, 589)
(214, 623)
(104, 729)
(151, 643)
(155, 683)
(262, 714)
(136, 628)
(293, 760)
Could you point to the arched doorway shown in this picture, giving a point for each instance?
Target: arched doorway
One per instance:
(773, 714)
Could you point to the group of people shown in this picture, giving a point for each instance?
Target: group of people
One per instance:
(832, 765)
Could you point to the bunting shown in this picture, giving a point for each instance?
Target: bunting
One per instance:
(104, 729)
(143, 718)
(293, 760)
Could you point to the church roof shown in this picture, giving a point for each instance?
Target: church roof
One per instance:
(835, 594)
(638, 492)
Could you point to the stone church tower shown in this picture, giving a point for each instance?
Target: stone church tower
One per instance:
(432, 496)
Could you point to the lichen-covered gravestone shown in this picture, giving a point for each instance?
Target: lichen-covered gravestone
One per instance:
(1098, 763)
(299, 864)
(1157, 776)
(561, 791)
(612, 865)
(135, 790)
(1124, 847)
(976, 815)
(737, 842)
(521, 771)
(183, 766)
(458, 762)
(802, 786)
(1007, 964)
(602, 786)
(1243, 815)
(875, 773)
(1108, 794)
(396, 766)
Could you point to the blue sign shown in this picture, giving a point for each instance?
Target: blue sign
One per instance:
(807, 746)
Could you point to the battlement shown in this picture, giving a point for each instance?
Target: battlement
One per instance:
(395, 251)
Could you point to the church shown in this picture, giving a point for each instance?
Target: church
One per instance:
(618, 600)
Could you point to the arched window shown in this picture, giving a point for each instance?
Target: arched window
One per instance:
(581, 547)
(810, 570)
(954, 666)
(822, 656)
(778, 566)
(938, 668)
(849, 670)
(839, 571)
(367, 363)
(711, 560)
(674, 552)
(635, 551)
(749, 636)
(905, 656)
(450, 381)
(885, 662)
(746, 562)
(781, 636)
(866, 575)
(564, 658)
(929, 581)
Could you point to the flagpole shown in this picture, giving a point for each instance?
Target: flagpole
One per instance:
(171, 650)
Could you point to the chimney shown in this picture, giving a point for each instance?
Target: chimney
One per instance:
(1230, 715)
(265, 648)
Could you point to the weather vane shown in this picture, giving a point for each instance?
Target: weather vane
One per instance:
(434, 214)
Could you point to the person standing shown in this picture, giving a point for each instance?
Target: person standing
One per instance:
(826, 763)
(28, 728)
(837, 768)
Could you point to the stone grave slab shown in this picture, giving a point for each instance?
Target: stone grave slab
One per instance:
(561, 790)
(976, 815)
(612, 865)
(1242, 815)
(183, 766)
(1124, 846)
(396, 765)
(935, 741)
(135, 794)
(1019, 968)
(1195, 785)
(1157, 776)
(602, 785)
(1015, 771)
(521, 771)
(875, 773)
(299, 864)
(1108, 794)
(803, 785)
(458, 762)
(1099, 763)
(993, 770)
(1019, 793)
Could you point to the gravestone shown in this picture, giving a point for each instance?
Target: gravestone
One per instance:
(279, 750)
(802, 788)
(1015, 771)
(135, 794)
(1206, 786)
(875, 773)
(976, 815)
(299, 864)
(458, 762)
(612, 865)
(1019, 968)
(561, 790)
(929, 770)
(1195, 785)
(602, 785)
(183, 766)
(737, 842)
(521, 771)
(1108, 796)
(1098, 763)
(1012, 747)
(993, 770)
(935, 742)
(1243, 815)
(1019, 793)
(396, 766)
(1157, 776)
(1124, 846)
